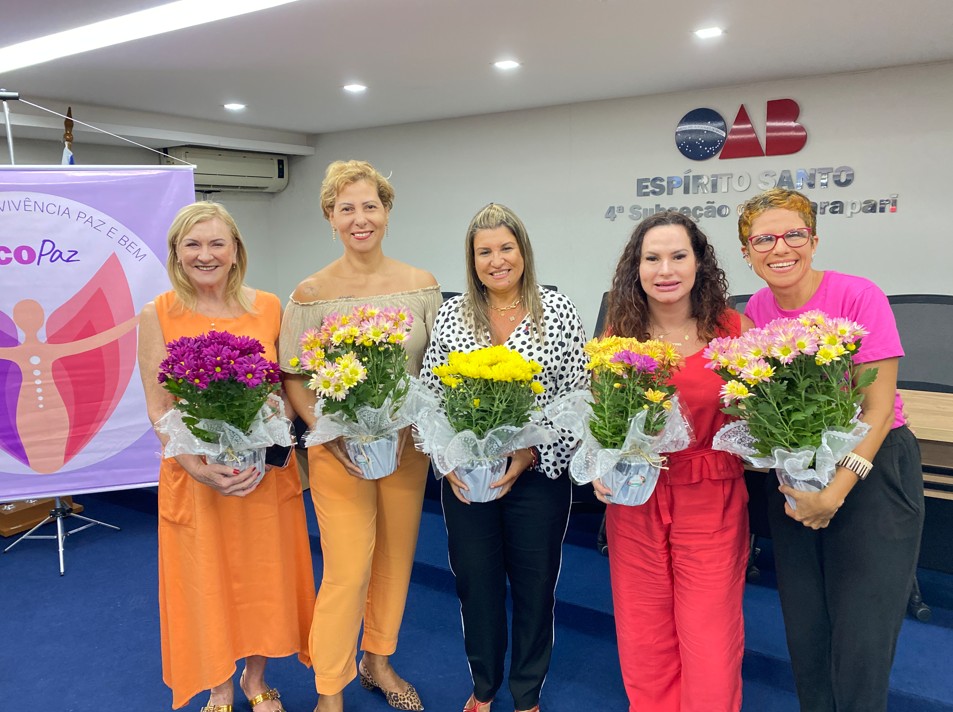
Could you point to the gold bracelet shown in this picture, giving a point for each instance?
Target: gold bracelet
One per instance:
(860, 466)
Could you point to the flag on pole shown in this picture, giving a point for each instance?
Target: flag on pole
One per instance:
(67, 159)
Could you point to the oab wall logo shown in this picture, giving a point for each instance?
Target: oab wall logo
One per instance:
(718, 190)
(703, 133)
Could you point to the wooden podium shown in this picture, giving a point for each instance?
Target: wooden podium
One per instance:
(16, 517)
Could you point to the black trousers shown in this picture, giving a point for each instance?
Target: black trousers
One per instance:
(844, 589)
(518, 537)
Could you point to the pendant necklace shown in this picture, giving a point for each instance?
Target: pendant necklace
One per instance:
(662, 335)
(512, 306)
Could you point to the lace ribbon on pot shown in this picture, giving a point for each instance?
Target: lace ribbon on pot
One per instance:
(270, 427)
(371, 424)
(449, 449)
(794, 466)
(591, 460)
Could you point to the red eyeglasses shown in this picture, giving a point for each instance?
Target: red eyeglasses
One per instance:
(794, 238)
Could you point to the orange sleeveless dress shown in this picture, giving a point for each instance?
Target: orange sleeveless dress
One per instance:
(235, 576)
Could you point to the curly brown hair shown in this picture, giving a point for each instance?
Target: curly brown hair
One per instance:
(628, 311)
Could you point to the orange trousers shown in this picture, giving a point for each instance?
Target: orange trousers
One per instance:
(368, 536)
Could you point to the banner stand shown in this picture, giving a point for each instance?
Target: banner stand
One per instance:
(60, 512)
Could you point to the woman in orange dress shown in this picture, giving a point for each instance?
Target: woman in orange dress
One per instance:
(235, 576)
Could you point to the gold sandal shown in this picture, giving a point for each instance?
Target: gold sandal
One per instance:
(216, 708)
(270, 694)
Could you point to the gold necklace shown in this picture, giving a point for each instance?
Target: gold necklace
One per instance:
(662, 334)
(512, 306)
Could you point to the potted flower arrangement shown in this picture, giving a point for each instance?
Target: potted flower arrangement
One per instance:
(487, 410)
(357, 368)
(226, 403)
(797, 392)
(628, 418)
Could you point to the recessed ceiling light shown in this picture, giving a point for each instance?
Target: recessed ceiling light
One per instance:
(708, 32)
(506, 64)
(234, 106)
(146, 23)
(355, 88)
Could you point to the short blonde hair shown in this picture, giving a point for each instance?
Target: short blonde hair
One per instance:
(186, 219)
(341, 174)
(775, 198)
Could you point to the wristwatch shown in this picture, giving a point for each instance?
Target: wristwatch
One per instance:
(860, 466)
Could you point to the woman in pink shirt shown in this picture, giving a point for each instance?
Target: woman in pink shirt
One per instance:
(846, 556)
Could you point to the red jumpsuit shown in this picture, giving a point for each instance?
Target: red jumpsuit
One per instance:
(677, 565)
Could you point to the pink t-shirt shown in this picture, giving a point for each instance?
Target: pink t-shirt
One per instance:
(848, 297)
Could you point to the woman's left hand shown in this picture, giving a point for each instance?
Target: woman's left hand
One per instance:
(601, 491)
(814, 509)
(519, 462)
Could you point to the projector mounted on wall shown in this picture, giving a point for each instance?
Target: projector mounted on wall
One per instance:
(218, 169)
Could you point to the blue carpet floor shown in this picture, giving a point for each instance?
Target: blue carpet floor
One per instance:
(90, 640)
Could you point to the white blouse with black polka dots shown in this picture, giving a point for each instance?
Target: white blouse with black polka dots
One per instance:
(559, 353)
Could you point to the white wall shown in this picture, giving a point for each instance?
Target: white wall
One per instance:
(561, 167)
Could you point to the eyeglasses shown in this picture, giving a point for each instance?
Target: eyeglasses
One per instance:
(794, 238)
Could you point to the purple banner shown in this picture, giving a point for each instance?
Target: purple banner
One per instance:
(81, 251)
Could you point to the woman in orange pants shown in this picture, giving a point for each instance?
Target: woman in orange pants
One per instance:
(368, 527)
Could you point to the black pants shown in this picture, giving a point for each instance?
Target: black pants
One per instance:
(844, 589)
(518, 537)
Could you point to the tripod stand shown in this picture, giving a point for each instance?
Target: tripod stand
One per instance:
(60, 512)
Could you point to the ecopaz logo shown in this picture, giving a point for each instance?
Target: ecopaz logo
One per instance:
(703, 133)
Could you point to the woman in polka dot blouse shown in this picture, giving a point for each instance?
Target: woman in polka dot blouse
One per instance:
(518, 536)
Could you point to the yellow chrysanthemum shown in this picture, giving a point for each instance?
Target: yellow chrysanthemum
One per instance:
(655, 396)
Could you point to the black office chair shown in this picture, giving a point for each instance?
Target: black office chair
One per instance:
(925, 323)
(739, 301)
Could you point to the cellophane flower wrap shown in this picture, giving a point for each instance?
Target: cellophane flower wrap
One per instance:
(356, 365)
(630, 416)
(487, 409)
(797, 391)
(226, 398)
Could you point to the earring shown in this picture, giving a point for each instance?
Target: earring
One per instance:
(334, 234)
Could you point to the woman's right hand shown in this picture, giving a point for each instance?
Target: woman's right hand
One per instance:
(457, 486)
(336, 448)
(221, 478)
(601, 491)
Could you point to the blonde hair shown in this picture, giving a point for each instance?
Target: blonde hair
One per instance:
(341, 174)
(769, 200)
(477, 312)
(186, 219)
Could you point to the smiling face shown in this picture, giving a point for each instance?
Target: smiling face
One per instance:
(359, 216)
(667, 265)
(207, 253)
(783, 267)
(498, 262)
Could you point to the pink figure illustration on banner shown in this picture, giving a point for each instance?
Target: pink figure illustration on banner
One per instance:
(58, 393)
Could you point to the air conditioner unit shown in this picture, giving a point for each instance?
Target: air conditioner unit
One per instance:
(217, 169)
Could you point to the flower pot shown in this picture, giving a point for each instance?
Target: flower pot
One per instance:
(240, 460)
(631, 482)
(376, 458)
(804, 483)
(478, 478)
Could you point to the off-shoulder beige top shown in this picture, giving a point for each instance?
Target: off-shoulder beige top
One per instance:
(301, 316)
